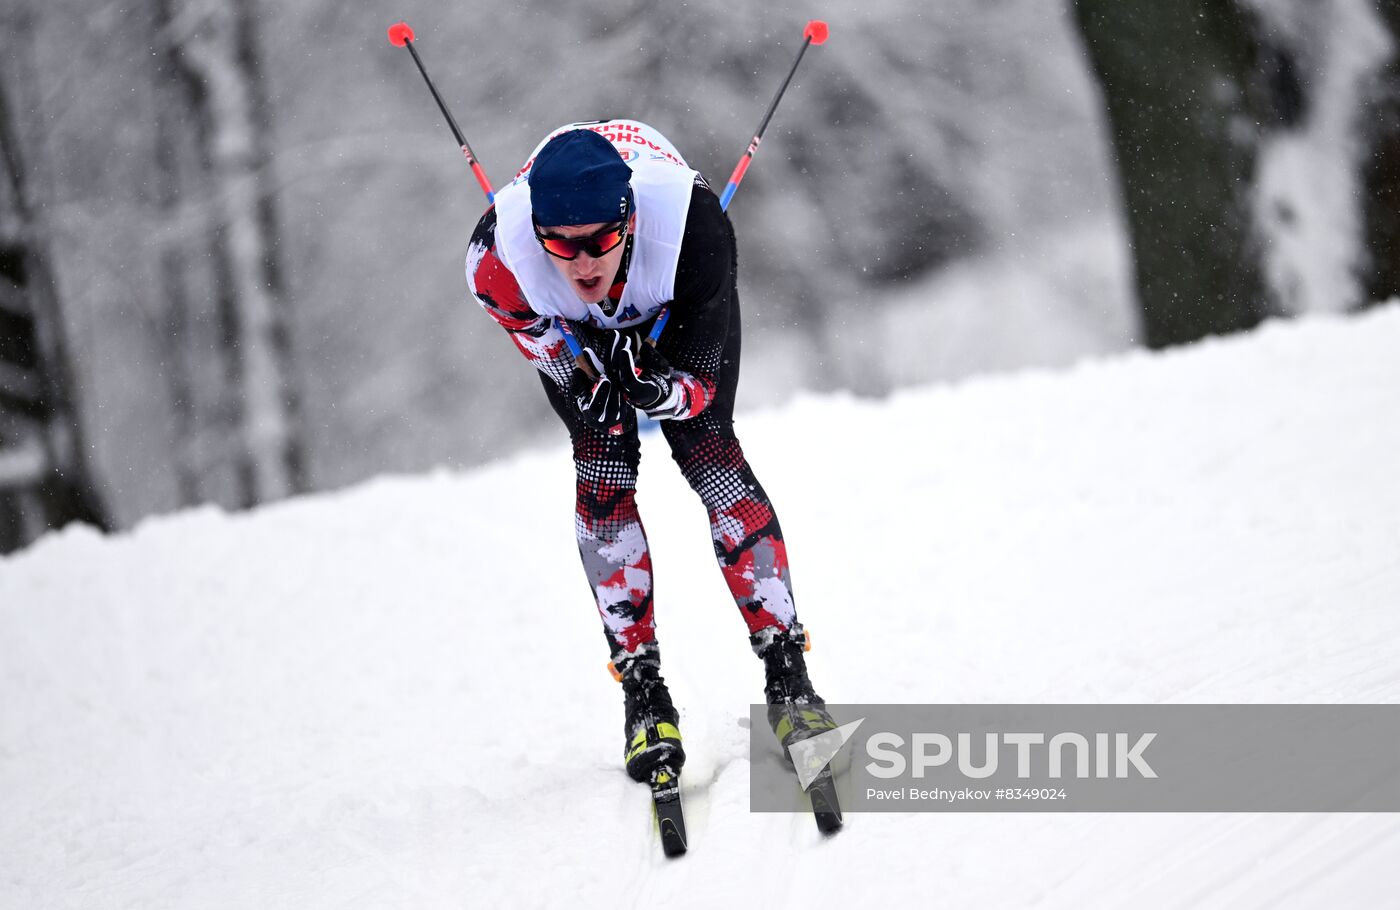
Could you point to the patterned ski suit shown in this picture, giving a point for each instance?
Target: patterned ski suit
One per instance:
(701, 342)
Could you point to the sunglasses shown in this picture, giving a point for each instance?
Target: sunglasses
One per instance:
(598, 244)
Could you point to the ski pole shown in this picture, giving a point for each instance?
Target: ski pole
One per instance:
(816, 32)
(400, 35)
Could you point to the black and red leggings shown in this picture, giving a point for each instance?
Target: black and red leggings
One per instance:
(747, 538)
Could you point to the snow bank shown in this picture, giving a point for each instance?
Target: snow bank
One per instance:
(395, 695)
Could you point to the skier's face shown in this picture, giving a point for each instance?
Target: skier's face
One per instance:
(590, 278)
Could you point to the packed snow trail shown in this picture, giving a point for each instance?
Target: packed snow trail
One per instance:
(395, 695)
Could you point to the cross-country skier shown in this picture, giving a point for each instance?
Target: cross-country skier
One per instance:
(603, 227)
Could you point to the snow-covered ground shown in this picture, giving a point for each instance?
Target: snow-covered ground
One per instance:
(395, 695)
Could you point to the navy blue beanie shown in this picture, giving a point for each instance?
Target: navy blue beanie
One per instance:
(579, 178)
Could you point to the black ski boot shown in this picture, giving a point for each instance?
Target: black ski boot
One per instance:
(652, 724)
(795, 710)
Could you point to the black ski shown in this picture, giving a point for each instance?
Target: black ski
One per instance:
(821, 790)
(666, 807)
(825, 807)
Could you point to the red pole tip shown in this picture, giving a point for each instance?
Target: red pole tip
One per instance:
(400, 33)
(817, 31)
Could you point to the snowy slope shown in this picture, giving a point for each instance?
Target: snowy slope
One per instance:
(395, 695)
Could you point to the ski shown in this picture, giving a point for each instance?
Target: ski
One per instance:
(809, 740)
(666, 809)
(826, 809)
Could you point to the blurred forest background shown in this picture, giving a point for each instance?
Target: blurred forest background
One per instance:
(232, 231)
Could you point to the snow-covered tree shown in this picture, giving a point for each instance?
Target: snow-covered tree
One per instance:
(1382, 173)
(46, 477)
(1181, 81)
(1241, 131)
(216, 47)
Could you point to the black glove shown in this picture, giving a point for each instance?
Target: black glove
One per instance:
(640, 372)
(598, 400)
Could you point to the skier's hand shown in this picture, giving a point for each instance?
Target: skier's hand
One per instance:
(597, 398)
(641, 373)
